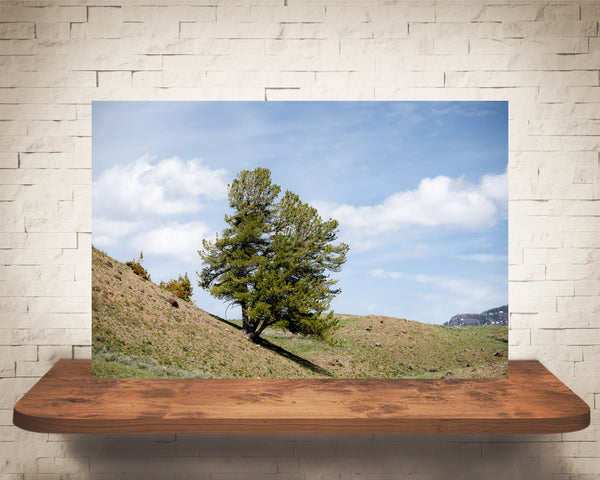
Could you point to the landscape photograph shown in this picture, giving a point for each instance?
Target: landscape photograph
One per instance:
(300, 239)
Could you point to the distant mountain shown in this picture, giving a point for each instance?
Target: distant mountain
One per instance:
(494, 316)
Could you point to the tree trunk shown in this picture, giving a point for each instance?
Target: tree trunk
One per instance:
(248, 327)
(245, 321)
(253, 336)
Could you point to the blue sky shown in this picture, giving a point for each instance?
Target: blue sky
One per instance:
(419, 189)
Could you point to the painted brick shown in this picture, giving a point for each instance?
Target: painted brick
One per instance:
(578, 304)
(230, 30)
(49, 336)
(571, 93)
(519, 337)
(82, 352)
(58, 78)
(51, 160)
(286, 14)
(53, 31)
(570, 353)
(307, 46)
(410, 12)
(114, 79)
(558, 320)
(584, 336)
(210, 94)
(329, 30)
(587, 287)
(73, 128)
(563, 28)
(446, 12)
(17, 128)
(590, 11)
(589, 353)
(569, 272)
(48, 177)
(108, 29)
(444, 30)
(37, 112)
(540, 45)
(54, 353)
(526, 79)
(48, 14)
(157, 14)
(60, 305)
(44, 320)
(546, 288)
(63, 465)
(547, 336)
(527, 272)
(11, 390)
(269, 79)
(562, 11)
(17, 31)
(555, 127)
(33, 369)
(450, 46)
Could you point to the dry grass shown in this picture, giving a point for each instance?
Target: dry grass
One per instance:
(132, 316)
(137, 332)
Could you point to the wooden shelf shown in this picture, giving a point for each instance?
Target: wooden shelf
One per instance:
(69, 400)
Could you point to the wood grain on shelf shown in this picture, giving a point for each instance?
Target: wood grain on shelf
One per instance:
(69, 400)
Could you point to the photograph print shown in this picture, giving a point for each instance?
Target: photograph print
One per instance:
(300, 239)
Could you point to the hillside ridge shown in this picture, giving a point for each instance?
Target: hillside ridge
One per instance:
(137, 331)
(136, 323)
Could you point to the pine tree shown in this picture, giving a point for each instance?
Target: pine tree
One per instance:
(273, 259)
(231, 261)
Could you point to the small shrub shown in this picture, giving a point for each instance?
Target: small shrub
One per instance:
(136, 266)
(181, 288)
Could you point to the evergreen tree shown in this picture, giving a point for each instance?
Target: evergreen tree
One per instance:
(273, 259)
(231, 261)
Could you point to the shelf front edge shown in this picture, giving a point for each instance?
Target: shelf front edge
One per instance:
(532, 400)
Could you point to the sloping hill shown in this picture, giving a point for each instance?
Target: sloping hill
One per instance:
(137, 332)
(375, 346)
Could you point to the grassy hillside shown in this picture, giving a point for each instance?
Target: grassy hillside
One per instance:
(383, 347)
(137, 332)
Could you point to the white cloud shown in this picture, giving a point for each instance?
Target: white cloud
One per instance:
(175, 240)
(145, 188)
(484, 257)
(106, 233)
(437, 202)
(496, 188)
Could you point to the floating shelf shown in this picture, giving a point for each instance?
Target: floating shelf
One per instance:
(69, 400)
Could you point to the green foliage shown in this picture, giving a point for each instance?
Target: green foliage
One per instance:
(182, 287)
(273, 259)
(136, 266)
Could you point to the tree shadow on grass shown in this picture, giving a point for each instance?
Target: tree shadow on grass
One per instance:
(303, 362)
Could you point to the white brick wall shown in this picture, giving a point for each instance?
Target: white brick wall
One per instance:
(58, 56)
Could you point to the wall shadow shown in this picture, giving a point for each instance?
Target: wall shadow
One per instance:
(302, 457)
